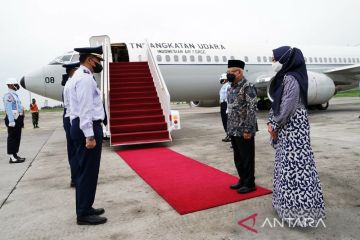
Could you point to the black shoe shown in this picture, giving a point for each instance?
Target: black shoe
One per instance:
(72, 184)
(91, 220)
(226, 139)
(246, 189)
(19, 158)
(236, 186)
(13, 159)
(97, 211)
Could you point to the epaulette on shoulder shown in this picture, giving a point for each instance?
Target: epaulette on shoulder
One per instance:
(8, 97)
(86, 71)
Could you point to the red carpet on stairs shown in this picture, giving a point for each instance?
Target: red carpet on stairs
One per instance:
(136, 115)
(187, 185)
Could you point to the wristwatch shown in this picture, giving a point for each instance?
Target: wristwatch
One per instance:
(90, 138)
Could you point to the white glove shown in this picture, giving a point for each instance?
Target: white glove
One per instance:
(12, 124)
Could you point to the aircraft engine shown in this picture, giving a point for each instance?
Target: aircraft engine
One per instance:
(205, 103)
(321, 89)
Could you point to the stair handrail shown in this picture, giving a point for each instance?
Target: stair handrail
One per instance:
(160, 85)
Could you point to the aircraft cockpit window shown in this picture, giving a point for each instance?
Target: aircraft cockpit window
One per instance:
(246, 59)
(216, 58)
(61, 59)
(75, 58)
(200, 59)
(176, 58)
(167, 58)
(192, 58)
(208, 58)
(264, 59)
(184, 58)
(158, 58)
(224, 58)
(259, 59)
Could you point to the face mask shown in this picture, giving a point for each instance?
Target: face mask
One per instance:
(98, 68)
(230, 77)
(65, 77)
(276, 66)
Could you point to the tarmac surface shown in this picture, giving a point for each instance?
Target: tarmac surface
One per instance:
(37, 202)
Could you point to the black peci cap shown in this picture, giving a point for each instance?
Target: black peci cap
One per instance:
(236, 63)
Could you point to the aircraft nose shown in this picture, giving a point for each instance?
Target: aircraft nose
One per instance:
(22, 82)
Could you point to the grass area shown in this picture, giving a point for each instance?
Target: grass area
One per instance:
(349, 93)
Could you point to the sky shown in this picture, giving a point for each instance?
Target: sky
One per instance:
(35, 32)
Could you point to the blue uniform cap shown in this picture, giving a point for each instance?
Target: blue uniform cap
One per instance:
(95, 51)
(73, 65)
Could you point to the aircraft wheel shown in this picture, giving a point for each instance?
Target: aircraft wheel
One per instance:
(323, 106)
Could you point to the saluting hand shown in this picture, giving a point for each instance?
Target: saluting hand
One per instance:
(90, 143)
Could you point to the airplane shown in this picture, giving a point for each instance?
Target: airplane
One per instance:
(190, 70)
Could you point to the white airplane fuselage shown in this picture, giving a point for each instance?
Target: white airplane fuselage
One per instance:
(191, 70)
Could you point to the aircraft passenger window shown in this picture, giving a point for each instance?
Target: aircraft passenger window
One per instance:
(344, 60)
(184, 58)
(305, 59)
(264, 59)
(310, 59)
(358, 60)
(224, 59)
(176, 58)
(192, 58)
(158, 58)
(167, 58)
(353, 60)
(339, 60)
(270, 59)
(200, 58)
(320, 60)
(349, 59)
(246, 59)
(315, 60)
(259, 59)
(216, 58)
(325, 60)
(330, 60)
(232, 57)
(334, 60)
(208, 58)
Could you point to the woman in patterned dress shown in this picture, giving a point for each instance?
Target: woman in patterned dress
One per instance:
(297, 194)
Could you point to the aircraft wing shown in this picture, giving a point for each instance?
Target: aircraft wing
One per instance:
(345, 76)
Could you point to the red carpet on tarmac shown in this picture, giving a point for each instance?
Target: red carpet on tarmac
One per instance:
(187, 185)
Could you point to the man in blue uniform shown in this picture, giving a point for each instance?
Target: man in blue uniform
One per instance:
(71, 149)
(223, 104)
(86, 115)
(242, 125)
(14, 120)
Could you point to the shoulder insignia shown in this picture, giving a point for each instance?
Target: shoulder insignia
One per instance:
(86, 71)
(9, 98)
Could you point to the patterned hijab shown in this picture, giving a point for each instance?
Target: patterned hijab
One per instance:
(293, 64)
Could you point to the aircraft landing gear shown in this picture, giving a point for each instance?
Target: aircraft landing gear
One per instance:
(323, 106)
(264, 104)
